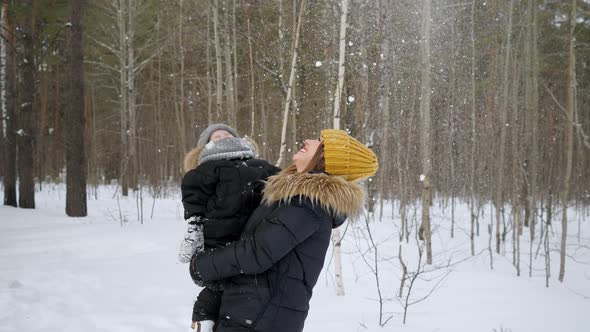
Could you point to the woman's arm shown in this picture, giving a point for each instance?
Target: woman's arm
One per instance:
(271, 241)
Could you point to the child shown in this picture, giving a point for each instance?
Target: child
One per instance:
(222, 186)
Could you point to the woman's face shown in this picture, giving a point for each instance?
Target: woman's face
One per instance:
(303, 156)
(219, 134)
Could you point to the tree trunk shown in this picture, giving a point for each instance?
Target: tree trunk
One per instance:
(499, 199)
(283, 148)
(252, 81)
(3, 46)
(123, 99)
(26, 118)
(229, 77)
(131, 95)
(569, 136)
(341, 64)
(9, 175)
(473, 134)
(425, 142)
(208, 59)
(75, 119)
(336, 237)
(218, 62)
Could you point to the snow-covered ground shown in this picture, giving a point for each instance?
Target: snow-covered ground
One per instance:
(94, 274)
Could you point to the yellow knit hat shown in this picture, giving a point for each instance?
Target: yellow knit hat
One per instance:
(347, 157)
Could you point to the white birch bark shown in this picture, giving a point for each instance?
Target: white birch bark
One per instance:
(283, 148)
(570, 107)
(218, 61)
(499, 200)
(341, 64)
(425, 92)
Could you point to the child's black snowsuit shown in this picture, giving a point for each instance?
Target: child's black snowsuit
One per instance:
(222, 194)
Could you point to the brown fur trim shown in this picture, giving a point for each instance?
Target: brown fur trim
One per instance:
(191, 159)
(333, 193)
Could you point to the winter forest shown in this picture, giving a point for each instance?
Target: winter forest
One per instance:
(478, 218)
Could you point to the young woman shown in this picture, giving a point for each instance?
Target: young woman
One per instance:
(270, 272)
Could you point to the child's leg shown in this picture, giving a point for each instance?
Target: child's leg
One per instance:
(193, 241)
(207, 305)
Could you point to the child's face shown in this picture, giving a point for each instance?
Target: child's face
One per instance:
(219, 134)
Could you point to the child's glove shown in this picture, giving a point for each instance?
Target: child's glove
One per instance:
(194, 241)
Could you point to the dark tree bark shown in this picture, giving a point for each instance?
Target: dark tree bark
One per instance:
(75, 119)
(26, 117)
(10, 139)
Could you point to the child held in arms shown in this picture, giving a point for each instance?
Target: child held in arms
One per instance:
(222, 186)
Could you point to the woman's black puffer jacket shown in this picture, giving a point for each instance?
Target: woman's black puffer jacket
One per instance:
(269, 274)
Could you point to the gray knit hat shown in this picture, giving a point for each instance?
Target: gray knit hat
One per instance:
(206, 134)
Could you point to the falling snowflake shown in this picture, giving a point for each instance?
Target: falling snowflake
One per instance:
(350, 99)
(318, 63)
(422, 177)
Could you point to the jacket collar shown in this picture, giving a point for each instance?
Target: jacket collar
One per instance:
(333, 193)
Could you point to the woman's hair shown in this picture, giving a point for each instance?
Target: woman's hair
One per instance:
(316, 164)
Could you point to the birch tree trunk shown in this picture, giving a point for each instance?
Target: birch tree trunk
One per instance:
(532, 100)
(229, 77)
(180, 109)
(123, 99)
(341, 64)
(75, 119)
(473, 134)
(218, 62)
(425, 142)
(499, 199)
(569, 136)
(252, 81)
(131, 94)
(283, 148)
(208, 59)
(336, 236)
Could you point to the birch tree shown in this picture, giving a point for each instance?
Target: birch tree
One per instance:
(336, 237)
(499, 199)
(569, 135)
(290, 86)
(425, 130)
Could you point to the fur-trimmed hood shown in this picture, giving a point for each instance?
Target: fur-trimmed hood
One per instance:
(191, 159)
(333, 193)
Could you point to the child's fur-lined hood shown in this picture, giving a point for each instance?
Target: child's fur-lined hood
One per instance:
(333, 193)
(191, 159)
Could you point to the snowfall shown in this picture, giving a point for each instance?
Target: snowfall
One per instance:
(110, 272)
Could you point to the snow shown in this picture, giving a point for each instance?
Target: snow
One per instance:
(350, 99)
(102, 274)
(318, 63)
